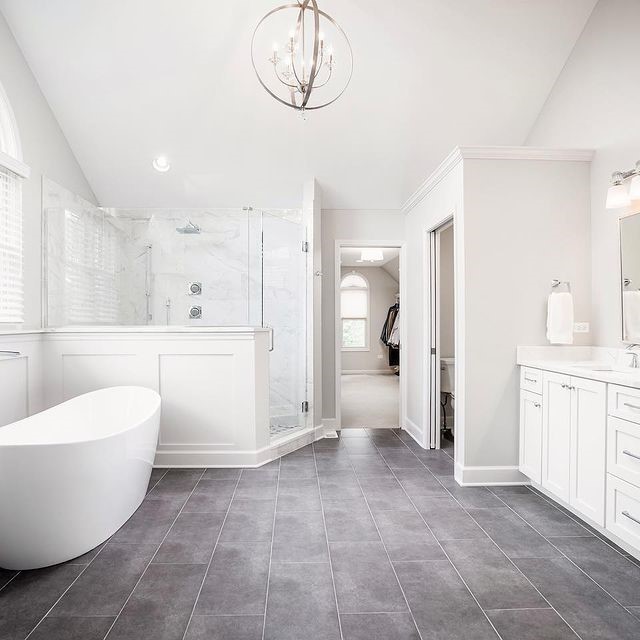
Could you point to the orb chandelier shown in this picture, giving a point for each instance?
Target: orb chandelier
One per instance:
(310, 62)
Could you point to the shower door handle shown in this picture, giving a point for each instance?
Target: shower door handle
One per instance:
(271, 339)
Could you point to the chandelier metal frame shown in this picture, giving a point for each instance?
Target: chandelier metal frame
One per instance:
(297, 82)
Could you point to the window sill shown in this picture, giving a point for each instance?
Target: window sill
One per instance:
(347, 349)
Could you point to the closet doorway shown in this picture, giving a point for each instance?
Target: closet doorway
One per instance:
(442, 395)
(368, 336)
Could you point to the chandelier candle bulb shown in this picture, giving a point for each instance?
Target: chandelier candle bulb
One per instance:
(305, 78)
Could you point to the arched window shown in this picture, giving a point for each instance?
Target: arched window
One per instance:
(12, 170)
(354, 312)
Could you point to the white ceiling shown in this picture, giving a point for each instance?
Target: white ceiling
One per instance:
(350, 257)
(131, 79)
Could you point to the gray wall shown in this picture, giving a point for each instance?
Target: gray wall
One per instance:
(382, 228)
(447, 303)
(382, 294)
(46, 151)
(594, 105)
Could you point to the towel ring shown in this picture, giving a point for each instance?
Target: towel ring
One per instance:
(558, 283)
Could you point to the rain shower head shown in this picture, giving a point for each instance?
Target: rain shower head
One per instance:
(189, 228)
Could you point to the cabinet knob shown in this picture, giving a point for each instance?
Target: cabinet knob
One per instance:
(537, 405)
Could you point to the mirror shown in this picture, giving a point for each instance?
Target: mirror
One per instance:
(630, 277)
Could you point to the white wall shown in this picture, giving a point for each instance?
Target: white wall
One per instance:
(443, 201)
(379, 227)
(518, 224)
(382, 294)
(594, 104)
(525, 223)
(45, 150)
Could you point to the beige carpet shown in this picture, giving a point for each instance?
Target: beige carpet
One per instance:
(370, 401)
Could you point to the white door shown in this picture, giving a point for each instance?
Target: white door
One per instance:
(531, 435)
(556, 433)
(588, 441)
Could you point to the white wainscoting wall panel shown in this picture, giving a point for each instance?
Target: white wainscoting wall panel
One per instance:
(14, 384)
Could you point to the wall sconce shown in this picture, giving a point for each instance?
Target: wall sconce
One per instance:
(621, 193)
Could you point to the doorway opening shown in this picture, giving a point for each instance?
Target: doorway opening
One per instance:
(443, 338)
(368, 337)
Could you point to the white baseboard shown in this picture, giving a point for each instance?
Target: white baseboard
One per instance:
(330, 424)
(369, 372)
(245, 459)
(494, 476)
(414, 431)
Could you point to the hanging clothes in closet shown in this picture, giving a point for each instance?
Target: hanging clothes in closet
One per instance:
(390, 335)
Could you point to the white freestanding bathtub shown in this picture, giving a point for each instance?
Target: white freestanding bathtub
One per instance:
(74, 474)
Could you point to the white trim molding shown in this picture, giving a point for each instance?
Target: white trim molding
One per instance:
(414, 431)
(15, 166)
(493, 476)
(492, 153)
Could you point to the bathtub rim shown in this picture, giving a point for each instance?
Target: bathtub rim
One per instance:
(157, 405)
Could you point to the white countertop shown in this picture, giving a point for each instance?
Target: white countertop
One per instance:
(155, 329)
(624, 376)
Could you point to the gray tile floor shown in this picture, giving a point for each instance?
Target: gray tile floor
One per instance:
(363, 538)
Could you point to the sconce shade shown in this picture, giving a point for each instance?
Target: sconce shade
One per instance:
(618, 196)
(634, 188)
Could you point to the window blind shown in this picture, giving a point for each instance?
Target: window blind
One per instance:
(11, 282)
(91, 249)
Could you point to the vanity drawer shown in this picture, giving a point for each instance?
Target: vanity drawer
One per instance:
(531, 379)
(624, 403)
(623, 510)
(623, 450)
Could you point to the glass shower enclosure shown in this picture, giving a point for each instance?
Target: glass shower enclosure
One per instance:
(184, 267)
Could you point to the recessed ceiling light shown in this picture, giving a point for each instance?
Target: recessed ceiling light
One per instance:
(161, 164)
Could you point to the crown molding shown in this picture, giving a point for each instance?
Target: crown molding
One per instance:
(493, 153)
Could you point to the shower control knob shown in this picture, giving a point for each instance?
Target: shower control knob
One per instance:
(195, 312)
(195, 288)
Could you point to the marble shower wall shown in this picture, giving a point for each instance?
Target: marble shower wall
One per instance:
(131, 267)
(224, 257)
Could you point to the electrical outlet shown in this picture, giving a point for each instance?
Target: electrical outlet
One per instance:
(581, 327)
(380, 356)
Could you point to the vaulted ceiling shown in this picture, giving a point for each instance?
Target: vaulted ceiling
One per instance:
(131, 79)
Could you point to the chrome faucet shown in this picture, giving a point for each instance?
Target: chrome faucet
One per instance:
(635, 364)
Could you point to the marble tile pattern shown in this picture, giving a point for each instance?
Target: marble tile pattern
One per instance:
(347, 539)
(250, 264)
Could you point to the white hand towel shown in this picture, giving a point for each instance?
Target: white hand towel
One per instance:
(631, 315)
(560, 318)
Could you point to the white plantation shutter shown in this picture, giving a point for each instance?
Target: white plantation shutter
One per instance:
(91, 250)
(11, 282)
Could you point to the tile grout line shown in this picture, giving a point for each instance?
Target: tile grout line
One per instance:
(564, 555)
(495, 543)
(273, 534)
(104, 544)
(215, 546)
(384, 546)
(575, 519)
(568, 515)
(505, 555)
(437, 542)
(326, 538)
(155, 553)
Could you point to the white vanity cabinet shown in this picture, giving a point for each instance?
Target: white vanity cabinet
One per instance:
(562, 448)
(531, 435)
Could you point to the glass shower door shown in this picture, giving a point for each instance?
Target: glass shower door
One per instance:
(284, 304)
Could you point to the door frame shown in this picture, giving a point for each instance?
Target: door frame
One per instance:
(431, 372)
(402, 284)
